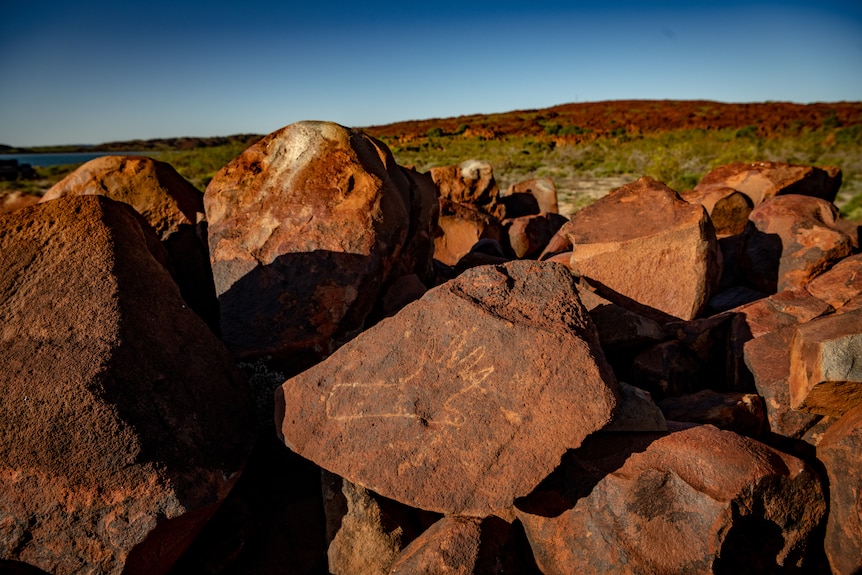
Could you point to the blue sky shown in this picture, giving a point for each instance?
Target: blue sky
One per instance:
(92, 71)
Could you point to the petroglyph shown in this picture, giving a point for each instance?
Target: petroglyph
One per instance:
(461, 371)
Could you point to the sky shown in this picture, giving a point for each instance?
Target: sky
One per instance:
(94, 71)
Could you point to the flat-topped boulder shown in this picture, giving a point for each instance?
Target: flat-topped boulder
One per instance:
(124, 422)
(763, 180)
(305, 228)
(494, 375)
(645, 248)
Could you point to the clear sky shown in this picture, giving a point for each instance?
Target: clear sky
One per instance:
(93, 71)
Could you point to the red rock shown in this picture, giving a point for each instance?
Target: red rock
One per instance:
(124, 422)
(742, 413)
(790, 240)
(826, 364)
(637, 412)
(763, 180)
(840, 450)
(460, 545)
(471, 182)
(558, 244)
(667, 369)
(698, 500)
(542, 189)
(768, 359)
(460, 227)
(12, 201)
(305, 228)
(617, 326)
(728, 208)
(529, 235)
(168, 203)
(402, 291)
(643, 244)
(839, 284)
(457, 418)
(418, 252)
(788, 307)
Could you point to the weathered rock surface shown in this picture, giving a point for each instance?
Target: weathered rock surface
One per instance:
(763, 180)
(460, 545)
(617, 326)
(637, 412)
(790, 240)
(470, 182)
(727, 208)
(768, 359)
(12, 201)
(742, 413)
(459, 417)
(840, 284)
(123, 422)
(305, 228)
(168, 203)
(529, 235)
(461, 226)
(840, 450)
(542, 189)
(697, 500)
(826, 364)
(642, 244)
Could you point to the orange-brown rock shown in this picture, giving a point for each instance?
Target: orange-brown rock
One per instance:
(617, 326)
(460, 227)
(790, 240)
(742, 413)
(529, 235)
(840, 450)
(470, 182)
(826, 364)
(11, 201)
(168, 202)
(728, 208)
(644, 246)
(696, 500)
(462, 546)
(123, 422)
(839, 284)
(304, 229)
(472, 407)
(542, 189)
(763, 180)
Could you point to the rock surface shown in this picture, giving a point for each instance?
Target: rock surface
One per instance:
(543, 189)
(304, 229)
(839, 284)
(459, 417)
(727, 208)
(470, 182)
(461, 226)
(696, 500)
(123, 422)
(763, 180)
(840, 450)
(660, 252)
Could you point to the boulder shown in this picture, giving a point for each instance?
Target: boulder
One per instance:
(305, 228)
(826, 364)
(644, 246)
(768, 360)
(618, 327)
(169, 203)
(840, 450)
(637, 412)
(461, 545)
(529, 235)
(12, 201)
(667, 369)
(695, 500)
(496, 373)
(728, 208)
(763, 180)
(460, 227)
(470, 182)
(790, 240)
(124, 423)
(542, 189)
(742, 413)
(840, 284)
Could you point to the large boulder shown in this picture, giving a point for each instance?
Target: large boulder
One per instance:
(790, 240)
(696, 500)
(839, 284)
(123, 422)
(169, 203)
(840, 450)
(646, 247)
(763, 180)
(305, 229)
(470, 182)
(494, 375)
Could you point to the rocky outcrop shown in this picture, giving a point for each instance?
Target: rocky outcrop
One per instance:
(763, 180)
(459, 417)
(305, 228)
(659, 253)
(124, 421)
(696, 500)
(470, 182)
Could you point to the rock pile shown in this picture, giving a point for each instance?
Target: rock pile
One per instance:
(462, 380)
